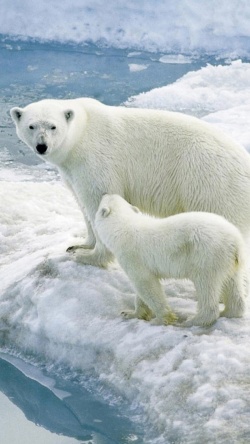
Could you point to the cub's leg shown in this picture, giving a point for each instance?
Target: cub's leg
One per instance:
(142, 311)
(235, 291)
(150, 291)
(208, 295)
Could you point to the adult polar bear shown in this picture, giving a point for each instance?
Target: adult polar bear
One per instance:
(162, 162)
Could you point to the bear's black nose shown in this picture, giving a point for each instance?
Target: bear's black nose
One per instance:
(41, 148)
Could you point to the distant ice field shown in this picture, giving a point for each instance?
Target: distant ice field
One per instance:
(172, 26)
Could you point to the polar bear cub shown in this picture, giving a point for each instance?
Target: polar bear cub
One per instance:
(199, 246)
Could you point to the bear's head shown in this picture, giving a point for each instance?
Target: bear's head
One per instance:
(44, 127)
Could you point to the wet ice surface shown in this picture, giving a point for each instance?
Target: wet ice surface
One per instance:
(58, 410)
(176, 384)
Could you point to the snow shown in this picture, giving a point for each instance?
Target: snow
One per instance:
(182, 26)
(220, 94)
(190, 383)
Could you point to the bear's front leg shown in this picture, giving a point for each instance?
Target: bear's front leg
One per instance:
(93, 251)
(90, 240)
(151, 292)
(99, 256)
(142, 311)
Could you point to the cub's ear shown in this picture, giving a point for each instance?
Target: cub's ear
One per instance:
(105, 211)
(135, 209)
(69, 114)
(16, 114)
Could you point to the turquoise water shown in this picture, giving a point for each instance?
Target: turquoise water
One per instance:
(38, 405)
(67, 71)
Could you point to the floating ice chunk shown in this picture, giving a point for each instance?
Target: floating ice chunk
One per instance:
(134, 54)
(178, 59)
(134, 67)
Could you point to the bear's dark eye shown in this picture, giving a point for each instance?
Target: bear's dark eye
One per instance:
(53, 127)
(31, 127)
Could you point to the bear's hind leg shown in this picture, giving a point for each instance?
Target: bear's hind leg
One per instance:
(208, 295)
(142, 311)
(234, 294)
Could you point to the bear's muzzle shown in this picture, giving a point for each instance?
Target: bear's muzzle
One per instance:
(41, 148)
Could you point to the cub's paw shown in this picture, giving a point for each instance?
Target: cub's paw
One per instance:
(237, 312)
(198, 321)
(132, 314)
(169, 318)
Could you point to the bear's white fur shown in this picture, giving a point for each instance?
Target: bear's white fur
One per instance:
(202, 247)
(163, 162)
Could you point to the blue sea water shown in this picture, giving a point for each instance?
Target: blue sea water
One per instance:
(59, 402)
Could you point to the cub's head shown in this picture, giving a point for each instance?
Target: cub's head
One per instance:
(113, 221)
(44, 127)
(114, 206)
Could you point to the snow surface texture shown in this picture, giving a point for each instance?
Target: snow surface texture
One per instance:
(183, 26)
(193, 384)
(221, 94)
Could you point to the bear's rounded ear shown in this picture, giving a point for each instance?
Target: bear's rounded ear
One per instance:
(69, 114)
(16, 114)
(135, 209)
(105, 211)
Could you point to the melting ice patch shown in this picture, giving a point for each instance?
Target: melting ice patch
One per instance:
(134, 67)
(34, 373)
(176, 59)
